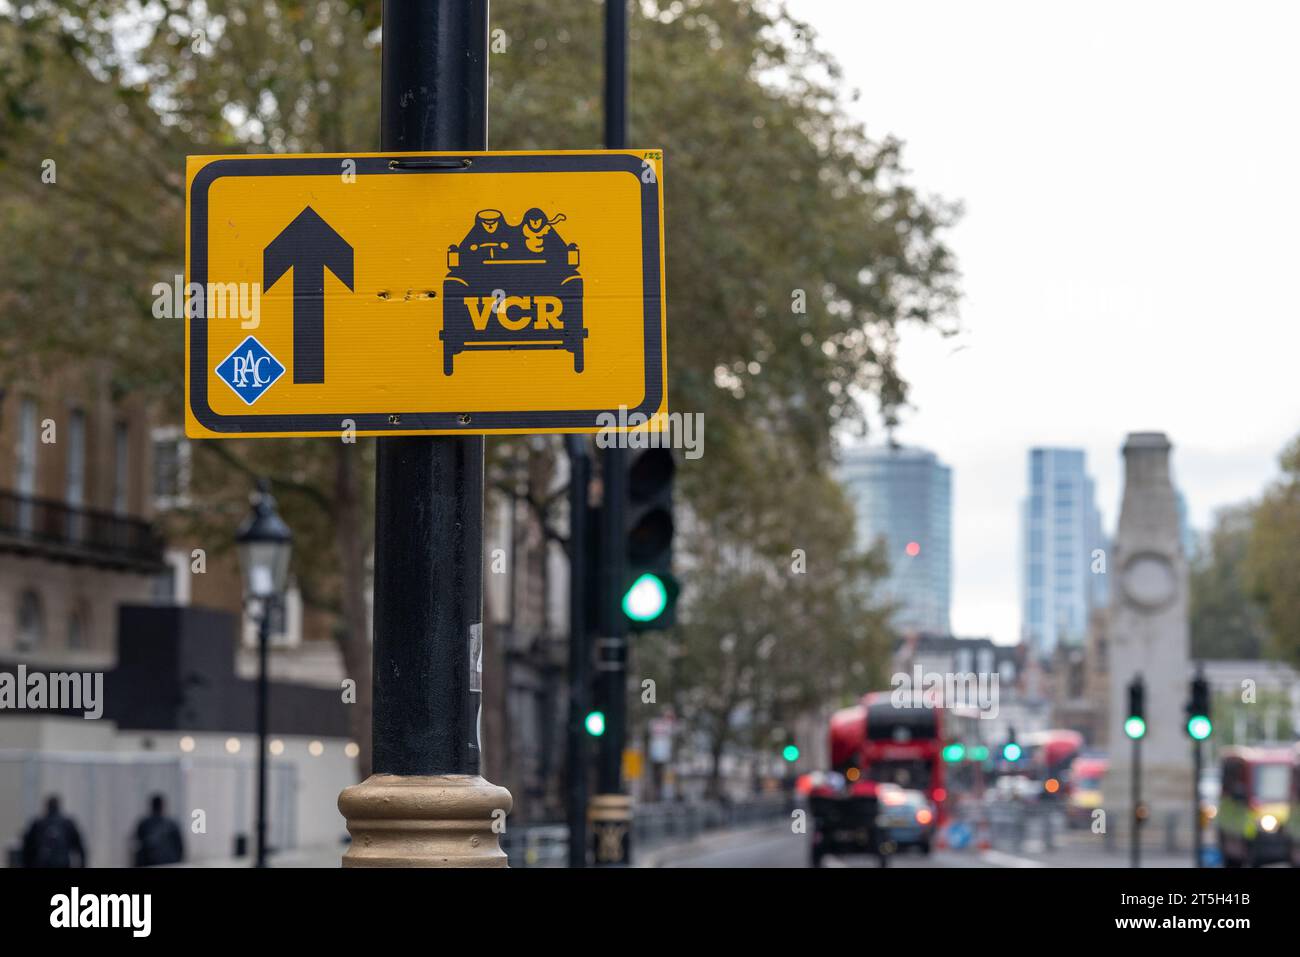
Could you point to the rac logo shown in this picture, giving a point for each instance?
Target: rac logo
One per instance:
(250, 370)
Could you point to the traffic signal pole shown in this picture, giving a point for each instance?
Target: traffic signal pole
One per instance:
(425, 804)
(579, 661)
(611, 810)
(1196, 803)
(1135, 727)
(1199, 727)
(1136, 842)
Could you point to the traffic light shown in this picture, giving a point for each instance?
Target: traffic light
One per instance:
(790, 752)
(954, 752)
(1199, 725)
(1135, 725)
(649, 591)
(595, 723)
(1011, 751)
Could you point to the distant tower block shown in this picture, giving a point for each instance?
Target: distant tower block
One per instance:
(1148, 633)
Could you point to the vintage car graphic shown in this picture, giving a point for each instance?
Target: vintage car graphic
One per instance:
(512, 287)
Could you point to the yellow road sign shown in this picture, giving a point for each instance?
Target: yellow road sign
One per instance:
(633, 764)
(424, 293)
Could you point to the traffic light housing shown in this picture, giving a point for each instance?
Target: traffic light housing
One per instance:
(649, 592)
(1135, 725)
(1011, 751)
(595, 723)
(1199, 724)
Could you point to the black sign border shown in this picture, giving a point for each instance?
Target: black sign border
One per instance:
(467, 421)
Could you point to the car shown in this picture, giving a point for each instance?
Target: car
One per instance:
(906, 818)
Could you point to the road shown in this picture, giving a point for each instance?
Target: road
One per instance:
(779, 846)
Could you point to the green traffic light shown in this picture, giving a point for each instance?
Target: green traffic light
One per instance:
(790, 753)
(954, 752)
(646, 599)
(1012, 751)
(595, 723)
(979, 753)
(1199, 727)
(1135, 727)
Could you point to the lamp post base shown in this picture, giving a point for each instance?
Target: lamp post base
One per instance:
(445, 820)
(610, 817)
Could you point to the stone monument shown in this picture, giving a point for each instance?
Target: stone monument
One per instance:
(1148, 635)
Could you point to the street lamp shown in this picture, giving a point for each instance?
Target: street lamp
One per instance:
(264, 543)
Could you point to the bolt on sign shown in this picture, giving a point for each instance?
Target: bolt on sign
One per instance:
(424, 293)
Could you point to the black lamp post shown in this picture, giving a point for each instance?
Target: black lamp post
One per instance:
(264, 543)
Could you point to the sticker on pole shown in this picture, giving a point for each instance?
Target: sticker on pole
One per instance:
(424, 293)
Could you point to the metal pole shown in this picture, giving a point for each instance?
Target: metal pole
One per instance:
(263, 642)
(428, 588)
(615, 74)
(1137, 803)
(611, 810)
(429, 489)
(579, 679)
(1196, 804)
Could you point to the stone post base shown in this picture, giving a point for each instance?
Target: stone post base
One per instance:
(610, 816)
(441, 820)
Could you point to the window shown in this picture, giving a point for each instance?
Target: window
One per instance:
(26, 478)
(75, 486)
(121, 475)
(25, 483)
(79, 626)
(74, 491)
(172, 585)
(171, 468)
(31, 621)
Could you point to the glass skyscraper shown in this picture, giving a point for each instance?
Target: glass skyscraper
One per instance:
(1060, 535)
(904, 496)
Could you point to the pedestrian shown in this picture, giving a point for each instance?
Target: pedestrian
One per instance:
(53, 840)
(157, 837)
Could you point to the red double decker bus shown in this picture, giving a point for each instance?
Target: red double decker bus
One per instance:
(878, 747)
(879, 741)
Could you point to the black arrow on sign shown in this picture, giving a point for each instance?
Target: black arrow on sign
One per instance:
(309, 245)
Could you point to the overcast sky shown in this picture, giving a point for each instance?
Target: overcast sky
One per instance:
(1131, 178)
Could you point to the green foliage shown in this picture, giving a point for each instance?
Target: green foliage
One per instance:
(795, 250)
(1273, 556)
(1226, 621)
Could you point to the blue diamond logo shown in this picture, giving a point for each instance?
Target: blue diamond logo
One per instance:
(250, 370)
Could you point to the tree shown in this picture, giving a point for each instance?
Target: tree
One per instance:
(1226, 620)
(118, 118)
(778, 620)
(795, 246)
(1273, 557)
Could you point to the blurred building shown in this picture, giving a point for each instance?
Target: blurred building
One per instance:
(1061, 541)
(1254, 701)
(178, 720)
(903, 497)
(526, 631)
(1078, 677)
(76, 538)
(951, 655)
(91, 583)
